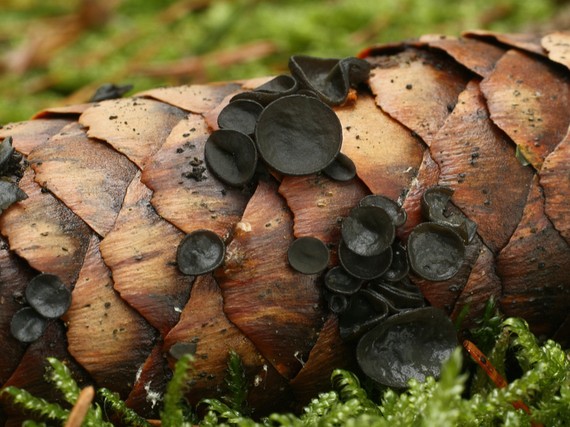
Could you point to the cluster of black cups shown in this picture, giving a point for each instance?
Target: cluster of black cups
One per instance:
(289, 125)
(9, 164)
(47, 298)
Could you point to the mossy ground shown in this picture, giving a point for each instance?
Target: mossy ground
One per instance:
(58, 52)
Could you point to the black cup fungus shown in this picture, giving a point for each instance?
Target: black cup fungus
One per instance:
(396, 212)
(341, 169)
(200, 252)
(6, 151)
(368, 230)
(337, 280)
(9, 194)
(399, 267)
(434, 206)
(48, 295)
(409, 345)
(364, 267)
(231, 156)
(27, 325)
(308, 255)
(435, 251)
(240, 115)
(298, 135)
(360, 316)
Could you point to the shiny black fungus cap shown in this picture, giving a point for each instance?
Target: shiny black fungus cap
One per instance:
(364, 267)
(200, 252)
(339, 281)
(396, 212)
(434, 206)
(399, 267)
(298, 135)
(268, 92)
(231, 156)
(337, 303)
(341, 169)
(9, 194)
(329, 78)
(48, 295)
(240, 115)
(6, 151)
(360, 316)
(368, 230)
(435, 251)
(27, 325)
(308, 255)
(410, 345)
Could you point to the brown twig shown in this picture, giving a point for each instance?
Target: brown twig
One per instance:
(79, 410)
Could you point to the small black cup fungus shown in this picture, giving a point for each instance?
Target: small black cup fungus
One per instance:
(268, 92)
(409, 345)
(27, 325)
(337, 280)
(435, 251)
(341, 169)
(400, 266)
(298, 135)
(231, 156)
(396, 212)
(9, 194)
(364, 267)
(6, 151)
(368, 230)
(360, 316)
(308, 255)
(200, 252)
(434, 207)
(48, 295)
(180, 349)
(240, 115)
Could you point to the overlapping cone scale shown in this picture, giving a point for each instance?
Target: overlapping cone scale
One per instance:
(114, 186)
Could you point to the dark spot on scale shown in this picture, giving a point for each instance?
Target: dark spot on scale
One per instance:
(180, 150)
(409, 86)
(113, 117)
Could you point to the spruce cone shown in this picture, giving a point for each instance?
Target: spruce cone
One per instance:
(112, 187)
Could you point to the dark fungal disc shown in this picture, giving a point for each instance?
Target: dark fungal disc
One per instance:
(337, 280)
(435, 251)
(110, 91)
(399, 297)
(27, 325)
(360, 316)
(200, 252)
(396, 212)
(409, 345)
(231, 156)
(400, 266)
(337, 303)
(361, 267)
(268, 92)
(240, 115)
(308, 255)
(434, 207)
(368, 230)
(341, 169)
(9, 194)
(329, 78)
(48, 295)
(298, 135)
(6, 151)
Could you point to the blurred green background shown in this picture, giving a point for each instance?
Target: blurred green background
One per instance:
(58, 52)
